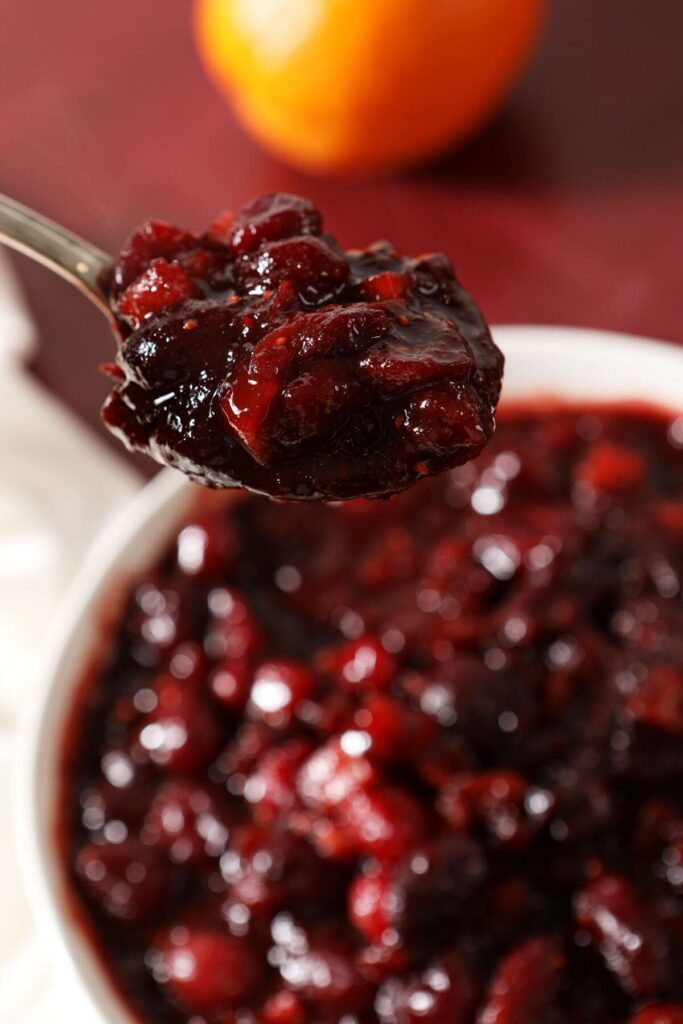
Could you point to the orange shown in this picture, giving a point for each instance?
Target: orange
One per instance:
(358, 85)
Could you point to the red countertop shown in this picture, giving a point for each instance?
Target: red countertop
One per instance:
(568, 209)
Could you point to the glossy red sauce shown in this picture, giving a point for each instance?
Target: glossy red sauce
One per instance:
(411, 762)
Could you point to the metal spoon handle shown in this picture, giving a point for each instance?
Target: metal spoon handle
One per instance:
(81, 263)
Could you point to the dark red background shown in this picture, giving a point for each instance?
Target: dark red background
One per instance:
(568, 209)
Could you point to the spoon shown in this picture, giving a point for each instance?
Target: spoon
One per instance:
(298, 392)
(78, 261)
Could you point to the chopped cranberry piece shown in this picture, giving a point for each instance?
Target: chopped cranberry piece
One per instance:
(233, 631)
(204, 971)
(271, 787)
(444, 993)
(286, 1008)
(257, 404)
(383, 823)
(659, 1013)
(189, 821)
(657, 823)
(188, 662)
(500, 801)
(440, 420)
(272, 217)
(162, 286)
(122, 794)
(525, 987)
(129, 880)
(364, 663)
(423, 354)
(277, 688)
(206, 550)
(321, 968)
(436, 884)
(267, 869)
(333, 774)
(160, 617)
(310, 404)
(181, 733)
(316, 272)
(658, 700)
(611, 468)
(230, 683)
(388, 285)
(153, 240)
(372, 904)
(631, 941)
(243, 752)
(395, 732)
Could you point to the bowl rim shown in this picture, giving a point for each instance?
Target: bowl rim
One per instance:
(124, 547)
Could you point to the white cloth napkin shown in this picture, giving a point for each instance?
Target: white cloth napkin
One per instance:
(58, 483)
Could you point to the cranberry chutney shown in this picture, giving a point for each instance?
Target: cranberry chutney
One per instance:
(262, 355)
(406, 762)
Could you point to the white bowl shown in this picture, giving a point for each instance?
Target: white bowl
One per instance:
(541, 361)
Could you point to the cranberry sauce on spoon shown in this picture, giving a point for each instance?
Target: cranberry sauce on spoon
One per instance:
(262, 355)
(407, 762)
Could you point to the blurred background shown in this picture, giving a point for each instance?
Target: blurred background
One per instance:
(539, 144)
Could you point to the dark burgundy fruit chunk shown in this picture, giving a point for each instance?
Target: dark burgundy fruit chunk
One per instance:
(151, 241)
(257, 401)
(384, 823)
(232, 633)
(162, 286)
(373, 904)
(363, 663)
(395, 732)
(283, 1007)
(500, 802)
(320, 966)
(204, 551)
(271, 217)
(658, 699)
(626, 934)
(160, 618)
(230, 683)
(436, 884)
(262, 355)
(444, 993)
(526, 985)
(267, 869)
(123, 794)
(181, 732)
(479, 699)
(309, 265)
(426, 351)
(271, 787)
(278, 687)
(129, 880)
(659, 1013)
(205, 971)
(611, 468)
(188, 820)
(332, 775)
